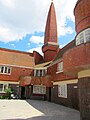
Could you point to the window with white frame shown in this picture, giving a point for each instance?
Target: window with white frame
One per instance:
(3, 87)
(39, 89)
(62, 90)
(5, 70)
(60, 67)
(41, 72)
(83, 37)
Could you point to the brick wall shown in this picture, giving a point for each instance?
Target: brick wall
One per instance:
(82, 15)
(37, 57)
(58, 76)
(16, 72)
(72, 96)
(77, 58)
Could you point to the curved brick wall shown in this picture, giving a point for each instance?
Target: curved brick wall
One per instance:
(82, 15)
(77, 59)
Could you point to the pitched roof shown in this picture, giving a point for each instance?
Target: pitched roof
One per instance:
(42, 65)
(16, 58)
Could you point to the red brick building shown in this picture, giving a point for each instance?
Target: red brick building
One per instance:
(61, 75)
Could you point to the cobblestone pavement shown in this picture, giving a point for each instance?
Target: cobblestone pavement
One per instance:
(35, 110)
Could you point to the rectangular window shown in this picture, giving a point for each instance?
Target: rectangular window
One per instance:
(62, 90)
(60, 67)
(3, 87)
(5, 70)
(40, 72)
(39, 89)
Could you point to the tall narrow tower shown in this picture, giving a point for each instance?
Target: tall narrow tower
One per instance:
(50, 46)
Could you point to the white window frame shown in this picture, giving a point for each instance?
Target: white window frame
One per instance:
(83, 37)
(5, 70)
(44, 72)
(4, 88)
(39, 89)
(59, 67)
(62, 90)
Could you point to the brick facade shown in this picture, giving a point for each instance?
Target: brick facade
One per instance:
(77, 58)
(82, 15)
(37, 57)
(16, 73)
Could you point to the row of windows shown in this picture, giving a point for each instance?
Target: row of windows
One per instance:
(83, 37)
(40, 72)
(5, 69)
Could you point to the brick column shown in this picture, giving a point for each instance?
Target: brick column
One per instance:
(84, 95)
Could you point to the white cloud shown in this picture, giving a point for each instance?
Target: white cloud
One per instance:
(37, 39)
(7, 34)
(20, 17)
(63, 30)
(38, 49)
(8, 3)
(12, 45)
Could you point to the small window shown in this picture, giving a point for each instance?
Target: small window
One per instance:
(60, 67)
(2, 69)
(3, 87)
(5, 70)
(62, 91)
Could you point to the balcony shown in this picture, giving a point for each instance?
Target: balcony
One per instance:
(35, 80)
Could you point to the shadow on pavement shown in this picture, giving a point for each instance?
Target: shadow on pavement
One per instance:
(48, 118)
(51, 111)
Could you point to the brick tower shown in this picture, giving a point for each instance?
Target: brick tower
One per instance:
(50, 46)
(82, 22)
(82, 15)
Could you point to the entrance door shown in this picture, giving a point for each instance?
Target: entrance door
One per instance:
(49, 93)
(23, 93)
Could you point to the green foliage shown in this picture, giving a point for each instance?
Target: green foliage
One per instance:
(7, 95)
(8, 92)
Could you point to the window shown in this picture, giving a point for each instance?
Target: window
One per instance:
(39, 89)
(40, 72)
(62, 90)
(3, 87)
(60, 67)
(5, 70)
(83, 37)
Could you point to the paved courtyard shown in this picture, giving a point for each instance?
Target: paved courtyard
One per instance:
(35, 110)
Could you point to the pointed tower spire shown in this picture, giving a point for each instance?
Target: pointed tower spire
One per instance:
(51, 26)
(50, 39)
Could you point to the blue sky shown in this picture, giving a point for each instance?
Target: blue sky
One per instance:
(22, 23)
